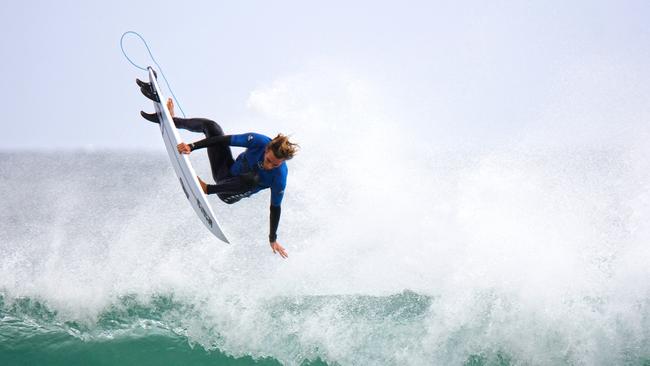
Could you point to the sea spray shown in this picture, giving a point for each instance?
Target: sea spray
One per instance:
(523, 257)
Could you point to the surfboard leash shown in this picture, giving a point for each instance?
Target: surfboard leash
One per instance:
(155, 63)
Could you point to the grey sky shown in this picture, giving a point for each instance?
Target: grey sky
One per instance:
(475, 71)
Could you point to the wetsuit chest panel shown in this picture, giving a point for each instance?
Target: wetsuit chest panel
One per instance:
(250, 162)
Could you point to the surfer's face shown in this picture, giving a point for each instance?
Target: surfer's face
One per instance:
(271, 161)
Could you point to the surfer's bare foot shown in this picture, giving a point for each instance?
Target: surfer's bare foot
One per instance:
(170, 106)
(204, 186)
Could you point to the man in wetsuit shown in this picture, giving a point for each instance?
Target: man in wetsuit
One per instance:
(262, 165)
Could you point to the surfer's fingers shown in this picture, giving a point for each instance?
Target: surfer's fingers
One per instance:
(283, 253)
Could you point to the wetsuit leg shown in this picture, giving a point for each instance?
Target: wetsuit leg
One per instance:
(220, 156)
(233, 188)
(229, 189)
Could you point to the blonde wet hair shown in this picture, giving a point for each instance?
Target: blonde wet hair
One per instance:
(283, 148)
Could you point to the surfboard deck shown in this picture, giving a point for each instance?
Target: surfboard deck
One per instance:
(182, 165)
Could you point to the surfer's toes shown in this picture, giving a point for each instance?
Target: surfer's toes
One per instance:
(150, 116)
(147, 92)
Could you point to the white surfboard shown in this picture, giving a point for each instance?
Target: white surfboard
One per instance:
(182, 166)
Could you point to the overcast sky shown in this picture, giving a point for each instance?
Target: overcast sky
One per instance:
(478, 72)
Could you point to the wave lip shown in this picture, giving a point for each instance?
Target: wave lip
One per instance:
(406, 328)
(160, 330)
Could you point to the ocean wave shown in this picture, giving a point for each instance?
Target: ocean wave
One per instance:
(498, 258)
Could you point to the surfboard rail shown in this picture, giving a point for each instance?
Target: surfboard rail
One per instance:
(182, 166)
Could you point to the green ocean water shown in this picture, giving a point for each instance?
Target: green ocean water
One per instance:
(30, 334)
(132, 333)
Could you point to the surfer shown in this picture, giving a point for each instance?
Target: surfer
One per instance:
(262, 165)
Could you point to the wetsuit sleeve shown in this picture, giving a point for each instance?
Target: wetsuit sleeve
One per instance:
(249, 140)
(211, 141)
(277, 193)
(274, 222)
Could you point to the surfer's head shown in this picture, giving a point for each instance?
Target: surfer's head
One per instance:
(279, 150)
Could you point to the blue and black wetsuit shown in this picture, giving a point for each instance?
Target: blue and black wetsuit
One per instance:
(242, 177)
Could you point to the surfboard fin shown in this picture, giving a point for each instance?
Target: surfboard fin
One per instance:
(152, 117)
(149, 93)
(142, 83)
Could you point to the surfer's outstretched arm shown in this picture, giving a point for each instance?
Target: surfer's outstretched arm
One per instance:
(277, 193)
(273, 237)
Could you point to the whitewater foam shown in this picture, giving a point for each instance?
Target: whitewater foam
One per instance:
(538, 257)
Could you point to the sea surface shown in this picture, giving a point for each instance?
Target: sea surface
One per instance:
(511, 257)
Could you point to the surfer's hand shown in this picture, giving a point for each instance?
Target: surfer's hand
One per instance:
(277, 248)
(184, 148)
(170, 106)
